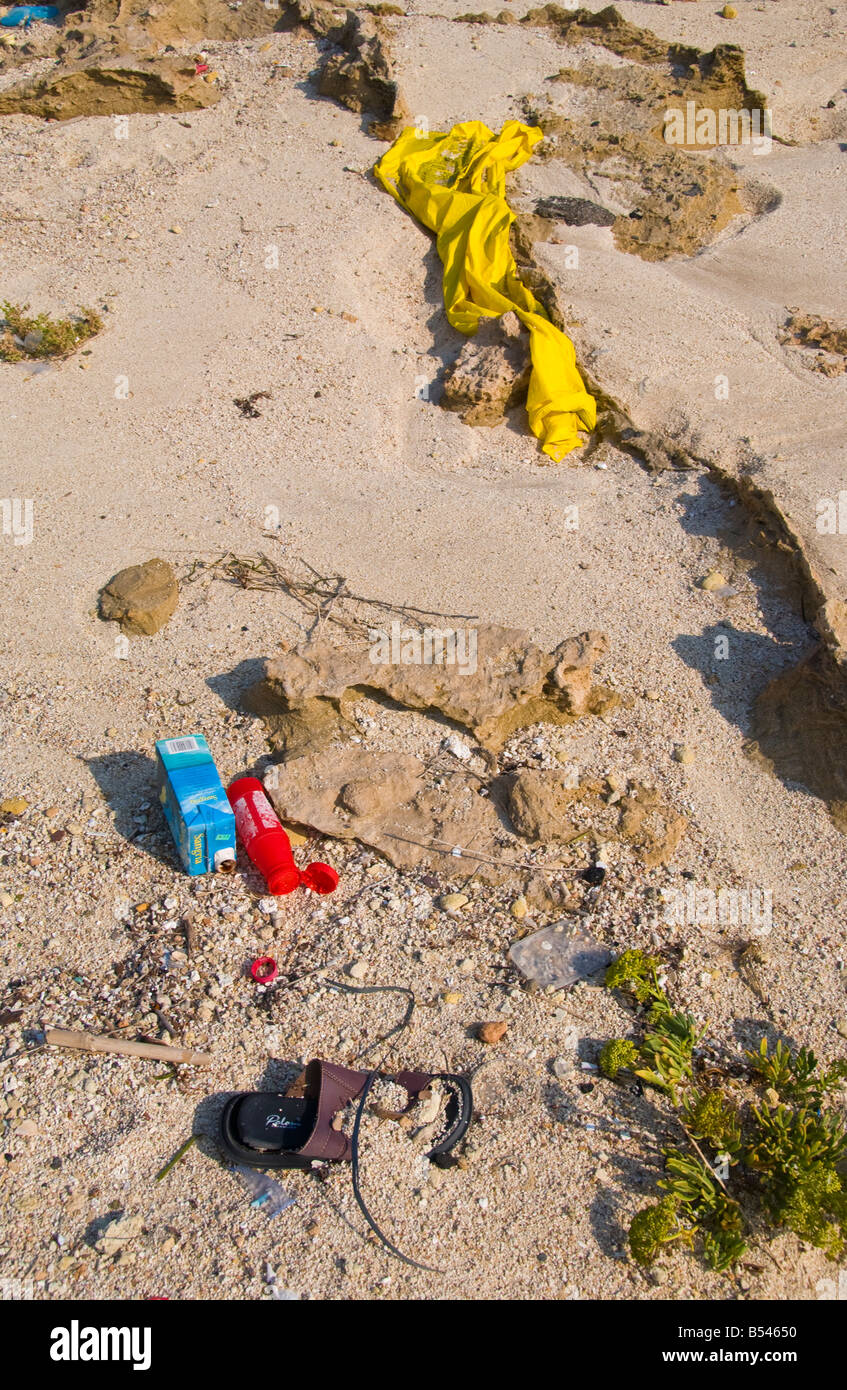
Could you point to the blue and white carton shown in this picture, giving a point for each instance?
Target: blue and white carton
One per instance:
(195, 805)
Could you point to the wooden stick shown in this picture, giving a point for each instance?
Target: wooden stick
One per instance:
(90, 1042)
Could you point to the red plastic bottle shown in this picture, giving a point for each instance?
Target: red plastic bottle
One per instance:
(267, 844)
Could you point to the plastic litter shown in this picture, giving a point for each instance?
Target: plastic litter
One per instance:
(559, 955)
(267, 1195)
(264, 838)
(454, 183)
(264, 970)
(24, 15)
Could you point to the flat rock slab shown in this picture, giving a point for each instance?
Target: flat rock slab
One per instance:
(414, 818)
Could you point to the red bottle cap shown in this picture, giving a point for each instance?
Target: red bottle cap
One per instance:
(283, 880)
(319, 877)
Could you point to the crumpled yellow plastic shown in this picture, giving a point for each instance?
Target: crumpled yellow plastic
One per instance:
(454, 183)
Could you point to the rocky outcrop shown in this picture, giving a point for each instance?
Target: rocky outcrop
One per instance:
(491, 680)
(491, 373)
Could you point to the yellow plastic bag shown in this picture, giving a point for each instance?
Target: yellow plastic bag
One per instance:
(455, 185)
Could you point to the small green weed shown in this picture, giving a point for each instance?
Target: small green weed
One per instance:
(32, 337)
(771, 1158)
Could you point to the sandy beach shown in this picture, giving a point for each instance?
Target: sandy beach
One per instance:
(235, 241)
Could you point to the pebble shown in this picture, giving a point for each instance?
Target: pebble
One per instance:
(14, 806)
(358, 970)
(492, 1032)
(467, 966)
(267, 905)
(684, 753)
(6, 899)
(713, 580)
(451, 996)
(451, 902)
(562, 1067)
(729, 12)
(457, 746)
(519, 908)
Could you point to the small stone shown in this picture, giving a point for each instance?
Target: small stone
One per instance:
(6, 899)
(111, 732)
(75, 829)
(519, 908)
(467, 966)
(563, 1068)
(684, 754)
(451, 996)
(14, 806)
(457, 746)
(729, 12)
(175, 229)
(451, 902)
(492, 1033)
(358, 970)
(267, 905)
(28, 1129)
(713, 580)
(51, 812)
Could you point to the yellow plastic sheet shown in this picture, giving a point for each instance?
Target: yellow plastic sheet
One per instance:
(454, 183)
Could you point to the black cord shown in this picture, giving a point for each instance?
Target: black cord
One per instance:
(380, 989)
(372, 1076)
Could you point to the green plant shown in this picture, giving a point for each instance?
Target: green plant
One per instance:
(48, 337)
(618, 1055)
(637, 974)
(713, 1119)
(779, 1149)
(655, 1226)
(794, 1075)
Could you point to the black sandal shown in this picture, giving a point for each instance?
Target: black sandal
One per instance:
(264, 1129)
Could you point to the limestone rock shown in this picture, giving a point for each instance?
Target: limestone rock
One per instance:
(307, 695)
(652, 827)
(800, 722)
(575, 660)
(94, 90)
(140, 598)
(491, 373)
(361, 76)
(398, 810)
(539, 803)
(492, 1033)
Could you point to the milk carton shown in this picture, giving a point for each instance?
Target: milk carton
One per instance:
(195, 805)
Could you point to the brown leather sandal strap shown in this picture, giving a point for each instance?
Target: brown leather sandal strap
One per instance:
(413, 1081)
(333, 1087)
